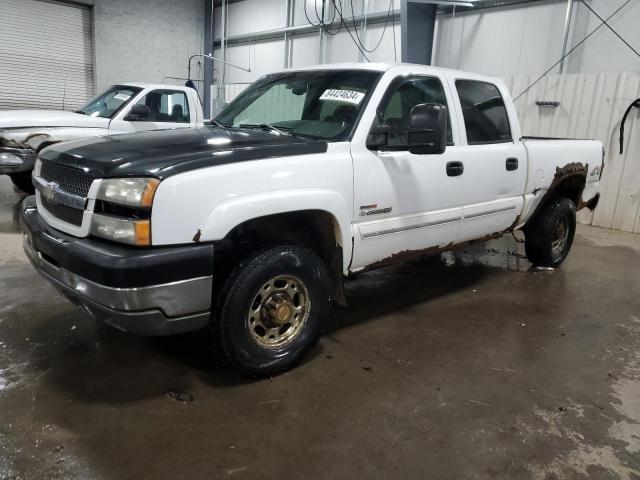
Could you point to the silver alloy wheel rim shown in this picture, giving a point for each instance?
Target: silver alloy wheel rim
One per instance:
(560, 236)
(278, 311)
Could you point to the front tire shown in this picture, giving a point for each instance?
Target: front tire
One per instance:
(549, 237)
(22, 181)
(271, 310)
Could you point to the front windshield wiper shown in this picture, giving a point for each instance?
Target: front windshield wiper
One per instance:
(80, 112)
(281, 130)
(268, 127)
(216, 123)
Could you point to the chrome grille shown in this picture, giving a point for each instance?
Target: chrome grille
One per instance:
(70, 179)
(64, 213)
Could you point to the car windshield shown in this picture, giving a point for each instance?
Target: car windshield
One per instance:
(107, 104)
(322, 104)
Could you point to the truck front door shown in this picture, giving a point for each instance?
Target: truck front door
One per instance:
(403, 201)
(166, 109)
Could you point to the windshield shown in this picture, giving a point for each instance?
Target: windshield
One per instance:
(107, 104)
(320, 104)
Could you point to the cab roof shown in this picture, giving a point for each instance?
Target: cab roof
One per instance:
(385, 66)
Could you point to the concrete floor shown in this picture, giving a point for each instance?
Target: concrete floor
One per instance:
(465, 366)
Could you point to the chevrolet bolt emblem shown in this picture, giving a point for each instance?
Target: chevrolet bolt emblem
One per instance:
(48, 192)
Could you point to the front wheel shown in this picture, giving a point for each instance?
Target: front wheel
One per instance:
(271, 310)
(22, 181)
(549, 237)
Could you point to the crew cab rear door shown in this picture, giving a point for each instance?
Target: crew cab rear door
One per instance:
(494, 170)
(167, 108)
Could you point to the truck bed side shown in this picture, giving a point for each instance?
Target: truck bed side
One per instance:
(573, 165)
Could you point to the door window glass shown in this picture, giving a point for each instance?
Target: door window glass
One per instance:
(485, 116)
(166, 106)
(396, 109)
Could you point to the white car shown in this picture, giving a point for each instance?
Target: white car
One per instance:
(126, 108)
(250, 225)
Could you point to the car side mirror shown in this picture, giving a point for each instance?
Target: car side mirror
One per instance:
(138, 112)
(378, 137)
(428, 129)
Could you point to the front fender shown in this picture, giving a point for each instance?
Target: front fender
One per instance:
(228, 215)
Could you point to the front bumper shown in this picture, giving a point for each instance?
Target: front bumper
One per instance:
(147, 291)
(14, 160)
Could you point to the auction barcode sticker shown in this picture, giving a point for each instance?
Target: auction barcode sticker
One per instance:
(122, 96)
(348, 96)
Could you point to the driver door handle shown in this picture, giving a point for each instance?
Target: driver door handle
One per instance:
(455, 169)
(512, 164)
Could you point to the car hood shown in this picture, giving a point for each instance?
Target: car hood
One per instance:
(164, 153)
(48, 118)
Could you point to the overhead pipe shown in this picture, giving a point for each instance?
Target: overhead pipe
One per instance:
(567, 27)
(223, 35)
(287, 36)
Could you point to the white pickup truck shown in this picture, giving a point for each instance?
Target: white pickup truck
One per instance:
(250, 225)
(126, 108)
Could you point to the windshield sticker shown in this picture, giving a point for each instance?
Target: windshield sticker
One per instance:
(347, 96)
(122, 96)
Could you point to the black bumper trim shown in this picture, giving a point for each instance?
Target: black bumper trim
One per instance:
(111, 264)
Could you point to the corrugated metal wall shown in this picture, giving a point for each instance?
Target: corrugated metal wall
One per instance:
(232, 90)
(591, 106)
(46, 55)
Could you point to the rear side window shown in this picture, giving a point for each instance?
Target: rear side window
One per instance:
(485, 116)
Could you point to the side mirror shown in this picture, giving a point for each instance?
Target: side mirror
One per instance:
(378, 137)
(138, 112)
(428, 129)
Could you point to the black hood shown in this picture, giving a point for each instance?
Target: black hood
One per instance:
(169, 152)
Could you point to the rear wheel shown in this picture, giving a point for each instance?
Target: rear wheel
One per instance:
(271, 310)
(22, 181)
(548, 238)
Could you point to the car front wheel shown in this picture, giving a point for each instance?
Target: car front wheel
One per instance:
(272, 309)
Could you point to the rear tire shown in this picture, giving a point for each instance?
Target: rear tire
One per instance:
(271, 310)
(549, 236)
(22, 181)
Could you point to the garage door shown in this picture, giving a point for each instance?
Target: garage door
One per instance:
(46, 55)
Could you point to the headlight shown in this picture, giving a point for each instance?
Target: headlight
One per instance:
(123, 210)
(15, 157)
(133, 192)
(10, 159)
(133, 232)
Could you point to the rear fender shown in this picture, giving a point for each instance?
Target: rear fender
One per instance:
(569, 181)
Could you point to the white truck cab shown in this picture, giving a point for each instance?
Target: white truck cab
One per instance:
(123, 108)
(250, 224)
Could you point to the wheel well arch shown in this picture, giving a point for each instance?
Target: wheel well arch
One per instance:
(318, 230)
(46, 144)
(570, 187)
(567, 183)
